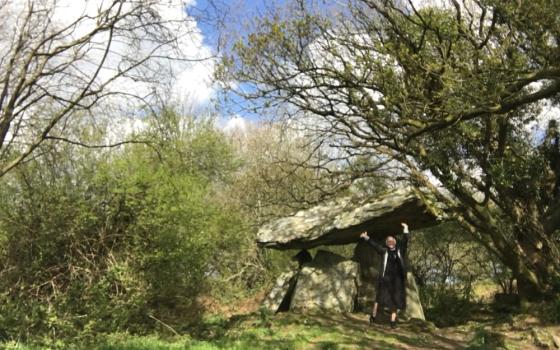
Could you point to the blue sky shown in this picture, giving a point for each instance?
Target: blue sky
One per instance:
(210, 14)
(230, 10)
(235, 13)
(239, 11)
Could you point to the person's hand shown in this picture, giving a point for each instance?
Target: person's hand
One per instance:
(405, 227)
(364, 235)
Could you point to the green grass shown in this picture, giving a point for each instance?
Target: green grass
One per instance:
(260, 331)
(292, 331)
(127, 342)
(320, 331)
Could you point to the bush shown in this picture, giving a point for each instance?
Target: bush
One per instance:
(506, 302)
(487, 340)
(548, 311)
(94, 243)
(446, 307)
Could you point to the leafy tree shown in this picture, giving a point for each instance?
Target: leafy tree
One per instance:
(447, 93)
(445, 257)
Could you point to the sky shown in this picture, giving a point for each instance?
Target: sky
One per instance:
(190, 79)
(211, 15)
(192, 83)
(189, 82)
(234, 113)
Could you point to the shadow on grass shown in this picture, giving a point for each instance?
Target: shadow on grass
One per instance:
(318, 331)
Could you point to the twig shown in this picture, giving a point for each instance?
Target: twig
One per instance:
(164, 324)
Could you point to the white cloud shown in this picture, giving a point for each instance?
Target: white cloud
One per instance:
(187, 80)
(192, 81)
(232, 124)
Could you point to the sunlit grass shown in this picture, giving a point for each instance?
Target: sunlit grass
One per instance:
(287, 331)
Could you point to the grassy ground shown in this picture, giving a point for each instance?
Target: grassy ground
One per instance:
(329, 331)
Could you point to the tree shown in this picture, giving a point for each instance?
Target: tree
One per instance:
(446, 92)
(57, 67)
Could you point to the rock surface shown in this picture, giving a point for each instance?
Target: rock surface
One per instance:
(542, 339)
(414, 307)
(342, 221)
(327, 283)
(281, 292)
(367, 281)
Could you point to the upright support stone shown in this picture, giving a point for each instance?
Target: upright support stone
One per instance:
(327, 283)
(280, 296)
(367, 279)
(414, 307)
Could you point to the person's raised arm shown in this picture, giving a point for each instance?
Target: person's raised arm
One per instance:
(405, 228)
(406, 236)
(378, 247)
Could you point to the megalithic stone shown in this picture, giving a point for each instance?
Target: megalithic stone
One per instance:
(281, 292)
(341, 221)
(414, 307)
(326, 283)
(368, 260)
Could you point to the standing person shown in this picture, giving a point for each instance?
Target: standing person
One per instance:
(391, 291)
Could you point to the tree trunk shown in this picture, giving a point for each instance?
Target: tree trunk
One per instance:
(536, 266)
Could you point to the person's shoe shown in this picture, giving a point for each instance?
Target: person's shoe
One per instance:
(371, 319)
(393, 324)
